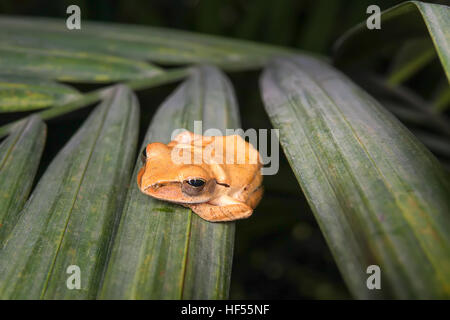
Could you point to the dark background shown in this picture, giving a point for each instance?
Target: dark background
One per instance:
(280, 252)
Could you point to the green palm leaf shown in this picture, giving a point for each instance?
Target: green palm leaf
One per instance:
(138, 42)
(412, 19)
(25, 93)
(68, 65)
(411, 58)
(173, 253)
(379, 196)
(94, 96)
(70, 217)
(19, 159)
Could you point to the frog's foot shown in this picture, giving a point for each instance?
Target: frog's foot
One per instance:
(222, 209)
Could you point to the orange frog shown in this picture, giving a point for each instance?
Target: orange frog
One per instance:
(220, 181)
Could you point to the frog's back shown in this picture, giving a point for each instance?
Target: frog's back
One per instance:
(241, 161)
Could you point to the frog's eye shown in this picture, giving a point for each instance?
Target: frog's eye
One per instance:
(193, 187)
(197, 183)
(144, 155)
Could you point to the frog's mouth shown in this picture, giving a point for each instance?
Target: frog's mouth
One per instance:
(158, 185)
(172, 192)
(166, 190)
(223, 184)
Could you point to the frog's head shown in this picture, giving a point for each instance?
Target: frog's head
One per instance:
(165, 179)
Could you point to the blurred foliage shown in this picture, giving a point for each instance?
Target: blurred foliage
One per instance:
(278, 258)
(308, 24)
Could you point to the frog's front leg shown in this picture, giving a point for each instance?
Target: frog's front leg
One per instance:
(223, 208)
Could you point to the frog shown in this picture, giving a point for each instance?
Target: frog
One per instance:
(214, 183)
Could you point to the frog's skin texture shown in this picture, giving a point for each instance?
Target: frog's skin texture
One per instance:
(216, 185)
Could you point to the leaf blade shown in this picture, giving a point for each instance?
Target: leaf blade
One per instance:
(362, 174)
(99, 94)
(70, 215)
(138, 42)
(19, 159)
(67, 65)
(25, 93)
(411, 19)
(177, 248)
